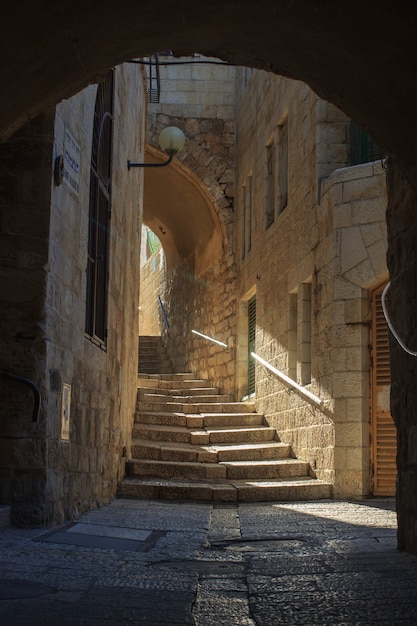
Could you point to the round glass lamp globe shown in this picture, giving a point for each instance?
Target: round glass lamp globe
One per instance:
(171, 139)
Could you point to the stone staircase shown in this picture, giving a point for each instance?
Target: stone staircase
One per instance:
(153, 357)
(192, 443)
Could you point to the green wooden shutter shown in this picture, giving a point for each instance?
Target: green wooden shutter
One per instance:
(251, 343)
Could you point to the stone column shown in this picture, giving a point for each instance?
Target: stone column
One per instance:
(402, 304)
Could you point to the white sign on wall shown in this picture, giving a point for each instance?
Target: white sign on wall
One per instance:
(71, 174)
(65, 412)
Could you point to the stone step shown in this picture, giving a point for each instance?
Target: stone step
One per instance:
(156, 367)
(153, 356)
(187, 383)
(225, 491)
(222, 420)
(231, 470)
(164, 377)
(194, 408)
(201, 437)
(222, 407)
(187, 392)
(191, 442)
(171, 451)
(154, 359)
(151, 351)
(154, 362)
(162, 418)
(206, 397)
(205, 420)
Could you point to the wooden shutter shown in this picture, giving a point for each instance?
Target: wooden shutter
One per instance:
(383, 431)
(251, 343)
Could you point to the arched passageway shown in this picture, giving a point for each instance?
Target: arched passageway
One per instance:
(182, 215)
(360, 56)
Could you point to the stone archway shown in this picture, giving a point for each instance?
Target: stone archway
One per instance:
(360, 56)
(183, 216)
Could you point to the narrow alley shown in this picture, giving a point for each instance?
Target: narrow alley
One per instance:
(165, 563)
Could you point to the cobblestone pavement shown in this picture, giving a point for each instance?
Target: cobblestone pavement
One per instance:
(167, 563)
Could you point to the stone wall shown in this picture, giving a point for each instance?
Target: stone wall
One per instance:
(85, 470)
(206, 304)
(49, 477)
(26, 161)
(152, 285)
(402, 295)
(199, 98)
(355, 197)
(310, 270)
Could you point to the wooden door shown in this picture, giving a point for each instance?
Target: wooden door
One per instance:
(383, 431)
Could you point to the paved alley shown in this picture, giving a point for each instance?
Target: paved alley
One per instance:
(167, 563)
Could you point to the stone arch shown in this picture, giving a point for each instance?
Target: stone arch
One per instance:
(318, 44)
(183, 213)
(359, 56)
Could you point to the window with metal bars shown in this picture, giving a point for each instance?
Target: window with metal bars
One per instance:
(246, 217)
(99, 214)
(270, 186)
(363, 149)
(282, 166)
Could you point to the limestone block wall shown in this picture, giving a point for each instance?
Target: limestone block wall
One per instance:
(152, 283)
(200, 99)
(310, 270)
(84, 470)
(356, 197)
(25, 174)
(207, 304)
(281, 266)
(48, 475)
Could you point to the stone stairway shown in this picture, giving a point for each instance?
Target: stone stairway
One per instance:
(192, 443)
(153, 357)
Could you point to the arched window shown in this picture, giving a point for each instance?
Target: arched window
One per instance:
(99, 215)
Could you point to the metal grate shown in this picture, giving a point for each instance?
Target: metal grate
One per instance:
(363, 149)
(99, 213)
(154, 79)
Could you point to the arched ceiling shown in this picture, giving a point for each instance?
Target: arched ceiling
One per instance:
(180, 213)
(359, 55)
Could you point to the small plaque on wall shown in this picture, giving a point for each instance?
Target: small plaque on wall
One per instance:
(71, 162)
(65, 412)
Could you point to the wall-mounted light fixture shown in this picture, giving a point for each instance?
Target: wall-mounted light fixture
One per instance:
(171, 140)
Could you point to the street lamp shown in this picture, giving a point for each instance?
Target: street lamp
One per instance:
(171, 140)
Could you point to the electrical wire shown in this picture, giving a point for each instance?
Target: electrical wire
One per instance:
(181, 62)
(390, 325)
